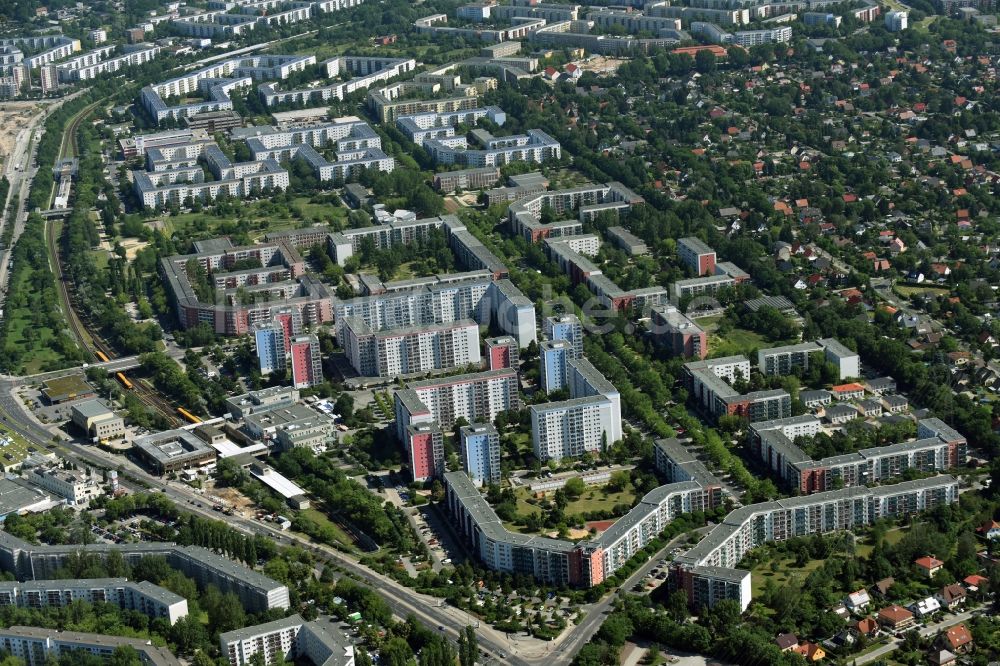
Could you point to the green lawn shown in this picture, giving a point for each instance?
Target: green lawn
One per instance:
(300, 212)
(320, 518)
(739, 341)
(787, 574)
(593, 499)
(892, 537)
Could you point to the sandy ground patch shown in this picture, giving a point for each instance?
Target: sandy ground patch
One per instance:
(14, 116)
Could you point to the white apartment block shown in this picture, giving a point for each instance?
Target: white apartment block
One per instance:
(366, 71)
(477, 396)
(572, 427)
(291, 637)
(94, 63)
(536, 146)
(145, 597)
(410, 350)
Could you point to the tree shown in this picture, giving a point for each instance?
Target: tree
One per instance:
(677, 606)
(616, 629)
(468, 647)
(575, 487)
(396, 652)
(704, 61)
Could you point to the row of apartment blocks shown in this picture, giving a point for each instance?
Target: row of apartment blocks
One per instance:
(443, 300)
(215, 81)
(181, 178)
(35, 646)
(50, 49)
(356, 147)
(365, 72)
(576, 34)
(342, 245)
(520, 28)
(535, 146)
(421, 127)
(559, 562)
(246, 297)
(707, 573)
(709, 382)
(710, 379)
(938, 448)
(588, 201)
(290, 637)
(590, 419)
(257, 592)
(143, 596)
(264, 13)
(744, 38)
(103, 60)
(568, 252)
(422, 94)
(281, 344)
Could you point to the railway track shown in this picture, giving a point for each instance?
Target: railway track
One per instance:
(90, 340)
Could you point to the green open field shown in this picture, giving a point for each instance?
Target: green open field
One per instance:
(320, 518)
(593, 499)
(260, 215)
(787, 574)
(737, 341)
(892, 537)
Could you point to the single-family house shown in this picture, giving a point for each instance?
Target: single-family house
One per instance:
(926, 606)
(958, 639)
(929, 565)
(895, 618)
(952, 596)
(858, 601)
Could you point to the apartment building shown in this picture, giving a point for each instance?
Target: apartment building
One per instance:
(501, 352)
(480, 447)
(780, 361)
(306, 361)
(848, 362)
(149, 599)
(448, 182)
(476, 397)
(425, 447)
(552, 358)
(701, 286)
(409, 350)
(677, 333)
(570, 428)
(36, 646)
(696, 255)
(565, 327)
(290, 638)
